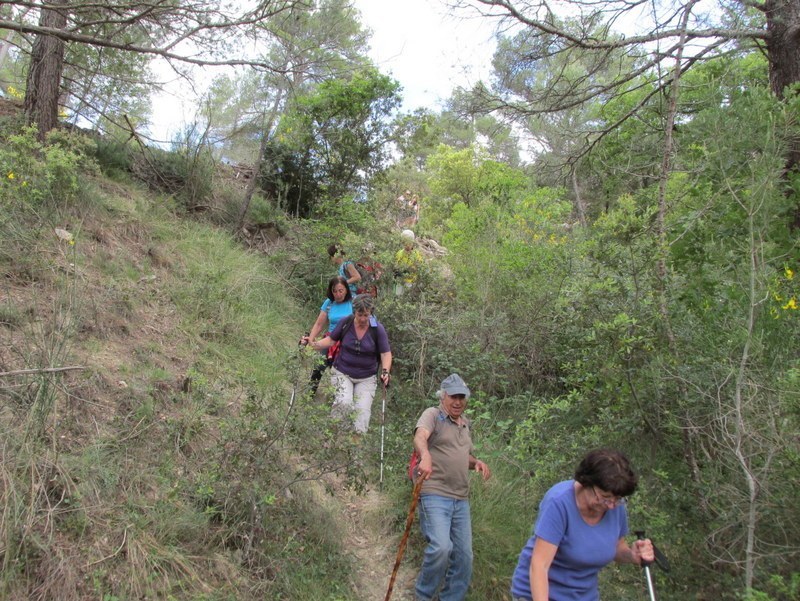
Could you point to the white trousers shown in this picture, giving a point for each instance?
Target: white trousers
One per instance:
(353, 396)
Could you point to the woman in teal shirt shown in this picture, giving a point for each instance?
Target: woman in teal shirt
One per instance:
(337, 306)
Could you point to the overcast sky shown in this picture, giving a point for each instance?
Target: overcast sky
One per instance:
(417, 42)
(426, 49)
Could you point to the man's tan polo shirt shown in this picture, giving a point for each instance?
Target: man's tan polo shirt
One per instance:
(450, 446)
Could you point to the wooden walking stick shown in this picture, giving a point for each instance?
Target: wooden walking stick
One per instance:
(404, 540)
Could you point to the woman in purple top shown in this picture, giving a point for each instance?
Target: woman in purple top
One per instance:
(364, 350)
(580, 529)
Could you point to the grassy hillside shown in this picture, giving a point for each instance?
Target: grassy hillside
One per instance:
(148, 421)
(153, 445)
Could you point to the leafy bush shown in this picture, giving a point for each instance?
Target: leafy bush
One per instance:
(32, 173)
(113, 157)
(777, 588)
(263, 212)
(186, 172)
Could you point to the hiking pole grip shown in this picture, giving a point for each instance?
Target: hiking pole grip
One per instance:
(640, 535)
(646, 568)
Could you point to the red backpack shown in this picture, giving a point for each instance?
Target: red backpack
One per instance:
(370, 272)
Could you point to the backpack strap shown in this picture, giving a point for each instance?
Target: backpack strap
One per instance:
(346, 323)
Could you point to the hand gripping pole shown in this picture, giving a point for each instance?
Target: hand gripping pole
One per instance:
(646, 567)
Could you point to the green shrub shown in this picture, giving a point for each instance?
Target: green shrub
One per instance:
(185, 173)
(113, 157)
(34, 173)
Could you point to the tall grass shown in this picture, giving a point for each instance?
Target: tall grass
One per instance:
(168, 466)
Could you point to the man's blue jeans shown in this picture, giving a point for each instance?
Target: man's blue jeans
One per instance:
(447, 565)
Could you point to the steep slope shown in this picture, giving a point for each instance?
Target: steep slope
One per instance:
(146, 365)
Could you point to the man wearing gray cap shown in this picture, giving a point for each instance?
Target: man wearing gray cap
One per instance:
(443, 445)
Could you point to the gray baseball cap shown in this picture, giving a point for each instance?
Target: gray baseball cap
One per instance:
(453, 384)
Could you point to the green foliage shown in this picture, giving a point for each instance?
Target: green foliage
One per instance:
(340, 128)
(507, 262)
(263, 212)
(325, 37)
(230, 302)
(107, 85)
(288, 178)
(37, 174)
(113, 157)
(777, 588)
(187, 171)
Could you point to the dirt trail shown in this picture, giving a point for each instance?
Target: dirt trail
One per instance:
(373, 546)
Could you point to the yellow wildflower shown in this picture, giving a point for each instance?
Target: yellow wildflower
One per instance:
(789, 273)
(11, 175)
(792, 304)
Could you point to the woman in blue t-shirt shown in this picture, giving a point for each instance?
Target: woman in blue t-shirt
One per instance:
(337, 306)
(580, 529)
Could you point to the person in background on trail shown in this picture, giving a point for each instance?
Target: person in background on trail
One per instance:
(443, 446)
(371, 271)
(407, 262)
(402, 207)
(409, 209)
(337, 306)
(371, 274)
(580, 529)
(345, 268)
(364, 350)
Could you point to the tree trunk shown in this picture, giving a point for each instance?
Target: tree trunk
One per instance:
(580, 204)
(44, 74)
(783, 50)
(783, 43)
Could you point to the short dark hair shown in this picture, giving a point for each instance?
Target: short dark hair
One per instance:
(334, 250)
(608, 470)
(338, 280)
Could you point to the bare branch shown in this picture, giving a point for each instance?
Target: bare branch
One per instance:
(44, 370)
(549, 25)
(91, 40)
